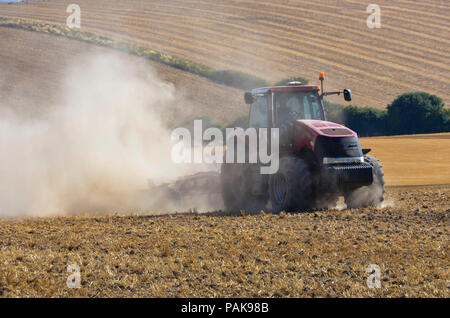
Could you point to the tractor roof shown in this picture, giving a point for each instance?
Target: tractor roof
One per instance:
(286, 88)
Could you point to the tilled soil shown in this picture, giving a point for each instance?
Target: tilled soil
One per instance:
(316, 254)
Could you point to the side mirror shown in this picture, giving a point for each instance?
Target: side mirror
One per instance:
(347, 94)
(248, 98)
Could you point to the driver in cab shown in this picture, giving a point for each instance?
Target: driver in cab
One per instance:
(288, 110)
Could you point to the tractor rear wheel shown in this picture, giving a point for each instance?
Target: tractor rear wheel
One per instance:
(371, 195)
(290, 189)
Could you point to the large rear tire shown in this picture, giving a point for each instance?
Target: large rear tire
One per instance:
(371, 195)
(290, 189)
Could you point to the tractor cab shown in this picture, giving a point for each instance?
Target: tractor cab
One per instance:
(280, 106)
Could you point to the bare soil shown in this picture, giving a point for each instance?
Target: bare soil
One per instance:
(317, 254)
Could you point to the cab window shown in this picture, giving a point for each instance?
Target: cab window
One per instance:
(306, 108)
(315, 107)
(298, 105)
(258, 113)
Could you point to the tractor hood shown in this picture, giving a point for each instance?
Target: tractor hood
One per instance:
(325, 128)
(326, 139)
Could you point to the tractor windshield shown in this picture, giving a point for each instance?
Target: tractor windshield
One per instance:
(291, 106)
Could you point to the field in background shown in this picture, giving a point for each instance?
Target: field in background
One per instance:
(274, 39)
(33, 66)
(412, 159)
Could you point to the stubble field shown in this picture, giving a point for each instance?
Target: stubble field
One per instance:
(317, 254)
(412, 159)
(275, 39)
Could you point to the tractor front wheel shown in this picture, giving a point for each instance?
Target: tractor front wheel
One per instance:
(371, 195)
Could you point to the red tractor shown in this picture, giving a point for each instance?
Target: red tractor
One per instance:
(318, 160)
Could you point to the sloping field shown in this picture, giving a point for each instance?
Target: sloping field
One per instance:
(33, 64)
(274, 39)
(412, 159)
(321, 254)
(33, 67)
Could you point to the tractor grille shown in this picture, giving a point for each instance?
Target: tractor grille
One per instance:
(352, 175)
(350, 167)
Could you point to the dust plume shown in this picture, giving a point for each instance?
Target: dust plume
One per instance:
(371, 195)
(103, 139)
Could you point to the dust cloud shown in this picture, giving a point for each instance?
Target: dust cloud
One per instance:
(91, 151)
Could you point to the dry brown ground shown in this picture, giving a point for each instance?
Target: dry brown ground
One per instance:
(324, 253)
(412, 159)
(274, 39)
(310, 254)
(33, 66)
